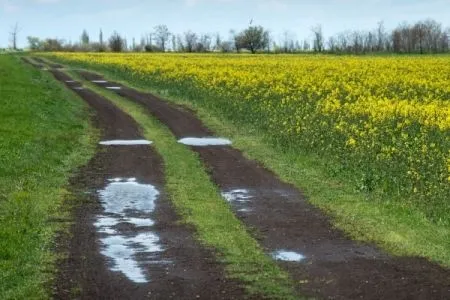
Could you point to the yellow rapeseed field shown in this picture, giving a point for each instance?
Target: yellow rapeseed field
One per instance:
(385, 120)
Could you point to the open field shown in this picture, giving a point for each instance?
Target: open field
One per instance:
(307, 198)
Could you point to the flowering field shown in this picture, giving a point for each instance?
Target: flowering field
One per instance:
(383, 121)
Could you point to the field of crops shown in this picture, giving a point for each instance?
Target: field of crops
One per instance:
(383, 121)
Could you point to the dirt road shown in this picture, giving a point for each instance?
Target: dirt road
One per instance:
(126, 241)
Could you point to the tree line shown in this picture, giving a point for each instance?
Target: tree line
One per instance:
(427, 36)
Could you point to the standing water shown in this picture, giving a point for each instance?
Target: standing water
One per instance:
(127, 202)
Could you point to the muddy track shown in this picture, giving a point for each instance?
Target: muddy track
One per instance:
(126, 241)
(50, 64)
(335, 266)
(32, 62)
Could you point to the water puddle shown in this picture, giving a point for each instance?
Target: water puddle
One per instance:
(238, 198)
(113, 87)
(99, 81)
(288, 256)
(125, 227)
(78, 88)
(238, 195)
(70, 81)
(125, 142)
(191, 141)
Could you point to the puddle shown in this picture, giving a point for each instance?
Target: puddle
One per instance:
(113, 87)
(125, 142)
(239, 198)
(288, 256)
(70, 81)
(78, 88)
(123, 251)
(125, 201)
(204, 141)
(99, 81)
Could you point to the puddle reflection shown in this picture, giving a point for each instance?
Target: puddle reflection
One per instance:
(288, 256)
(126, 201)
(191, 141)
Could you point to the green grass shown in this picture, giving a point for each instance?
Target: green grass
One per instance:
(396, 227)
(44, 135)
(199, 202)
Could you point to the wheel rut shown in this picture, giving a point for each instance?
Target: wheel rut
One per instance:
(323, 260)
(126, 241)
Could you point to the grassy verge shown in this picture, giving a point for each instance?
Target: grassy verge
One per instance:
(394, 226)
(199, 202)
(42, 138)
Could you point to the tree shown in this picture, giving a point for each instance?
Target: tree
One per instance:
(34, 43)
(84, 38)
(174, 43)
(318, 38)
(204, 43)
(116, 42)
(253, 38)
(162, 35)
(101, 43)
(14, 35)
(381, 36)
(190, 41)
(53, 45)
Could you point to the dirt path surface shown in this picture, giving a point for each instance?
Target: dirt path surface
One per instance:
(49, 63)
(32, 62)
(126, 241)
(291, 229)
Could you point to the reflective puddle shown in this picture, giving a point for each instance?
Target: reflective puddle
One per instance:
(288, 256)
(99, 81)
(113, 87)
(191, 141)
(238, 195)
(238, 198)
(78, 88)
(125, 227)
(125, 142)
(70, 81)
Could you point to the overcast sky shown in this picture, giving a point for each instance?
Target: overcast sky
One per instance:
(67, 18)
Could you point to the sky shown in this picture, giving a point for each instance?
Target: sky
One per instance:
(66, 19)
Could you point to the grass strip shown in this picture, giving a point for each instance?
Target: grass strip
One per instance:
(396, 227)
(199, 203)
(44, 136)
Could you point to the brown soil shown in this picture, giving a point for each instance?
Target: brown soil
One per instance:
(335, 266)
(184, 270)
